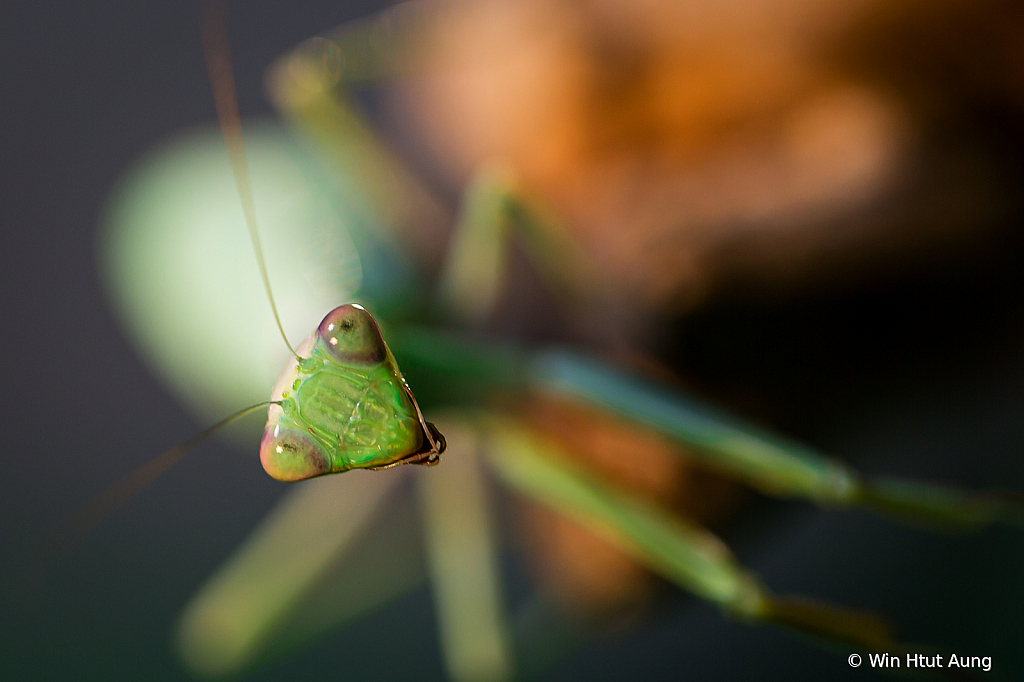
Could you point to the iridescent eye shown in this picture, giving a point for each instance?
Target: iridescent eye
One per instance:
(291, 455)
(350, 335)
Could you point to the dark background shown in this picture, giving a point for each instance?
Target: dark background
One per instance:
(919, 373)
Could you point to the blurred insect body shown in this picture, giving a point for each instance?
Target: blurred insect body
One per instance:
(471, 383)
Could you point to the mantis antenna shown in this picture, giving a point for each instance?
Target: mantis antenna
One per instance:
(218, 63)
(97, 508)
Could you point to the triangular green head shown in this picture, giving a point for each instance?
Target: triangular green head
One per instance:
(343, 404)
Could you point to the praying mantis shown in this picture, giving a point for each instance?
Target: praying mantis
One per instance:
(476, 384)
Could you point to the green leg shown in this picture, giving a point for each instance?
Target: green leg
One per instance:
(494, 211)
(474, 267)
(765, 461)
(309, 86)
(271, 595)
(675, 548)
(463, 559)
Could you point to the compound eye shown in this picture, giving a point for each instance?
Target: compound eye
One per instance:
(350, 335)
(291, 455)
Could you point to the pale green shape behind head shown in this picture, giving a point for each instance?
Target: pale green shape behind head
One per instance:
(180, 268)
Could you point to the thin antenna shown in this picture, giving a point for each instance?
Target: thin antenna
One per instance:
(97, 508)
(218, 63)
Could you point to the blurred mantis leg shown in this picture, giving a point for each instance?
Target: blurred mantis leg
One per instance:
(720, 442)
(545, 239)
(494, 210)
(674, 548)
(230, 622)
(474, 267)
(717, 440)
(308, 87)
(462, 556)
(767, 462)
(380, 48)
(940, 506)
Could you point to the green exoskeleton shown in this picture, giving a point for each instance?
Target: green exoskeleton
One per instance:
(342, 403)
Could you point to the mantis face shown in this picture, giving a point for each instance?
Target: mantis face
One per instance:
(343, 404)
